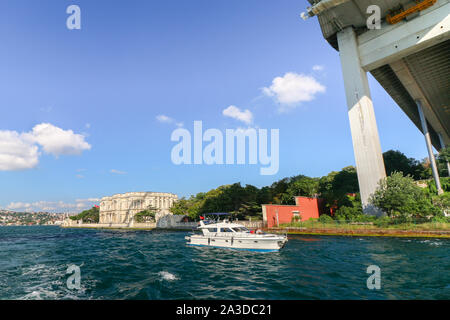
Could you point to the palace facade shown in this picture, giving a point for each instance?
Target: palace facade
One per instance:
(121, 208)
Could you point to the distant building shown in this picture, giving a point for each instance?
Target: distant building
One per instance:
(304, 209)
(121, 208)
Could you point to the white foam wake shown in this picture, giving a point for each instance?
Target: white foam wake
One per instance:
(167, 276)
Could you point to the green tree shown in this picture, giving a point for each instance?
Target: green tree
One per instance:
(190, 207)
(443, 158)
(423, 170)
(325, 219)
(278, 189)
(146, 215)
(241, 201)
(264, 195)
(335, 186)
(444, 154)
(300, 186)
(248, 210)
(445, 185)
(88, 216)
(350, 209)
(442, 202)
(396, 161)
(399, 197)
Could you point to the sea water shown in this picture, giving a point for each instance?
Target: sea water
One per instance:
(119, 264)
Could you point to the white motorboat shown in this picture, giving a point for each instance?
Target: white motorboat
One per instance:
(227, 234)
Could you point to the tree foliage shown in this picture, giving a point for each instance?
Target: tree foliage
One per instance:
(443, 158)
(442, 202)
(396, 161)
(300, 186)
(240, 201)
(89, 216)
(245, 202)
(350, 209)
(339, 189)
(146, 215)
(335, 186)
(399, 197)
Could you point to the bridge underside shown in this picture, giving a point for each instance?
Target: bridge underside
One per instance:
(430, 70)
(413, 57)
(410, 59)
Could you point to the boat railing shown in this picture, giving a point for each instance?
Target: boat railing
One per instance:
(238, 234)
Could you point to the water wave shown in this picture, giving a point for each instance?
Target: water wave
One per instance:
(159, 265)
(167, 276)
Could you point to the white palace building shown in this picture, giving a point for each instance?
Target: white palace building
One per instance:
(121, 208)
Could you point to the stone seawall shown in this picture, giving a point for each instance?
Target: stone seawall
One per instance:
(251, 224)
(175, 222)
(170, 222)
(151, 225)
(133, 225)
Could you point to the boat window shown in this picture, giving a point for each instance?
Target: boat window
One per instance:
(225, 230)
(212, 229)
(240, 229)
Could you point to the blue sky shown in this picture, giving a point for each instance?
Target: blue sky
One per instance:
(101, 89)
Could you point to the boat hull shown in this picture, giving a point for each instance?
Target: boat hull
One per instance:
(232, 248)
(262, 244)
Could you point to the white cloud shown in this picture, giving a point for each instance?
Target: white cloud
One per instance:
(318, 67)
(235, 113)
(117, 171)
(16, 152)
(165, 119)
(20, 151)
(53, 206)
(88, 200)
(293, 88)
(18, 205)
(57, 141)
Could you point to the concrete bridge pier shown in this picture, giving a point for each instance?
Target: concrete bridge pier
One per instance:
(366, 142)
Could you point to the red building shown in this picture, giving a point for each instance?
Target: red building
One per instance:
(304, 209)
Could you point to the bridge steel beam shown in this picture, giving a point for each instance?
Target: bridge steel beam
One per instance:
(366, 142)
(434, 169)
(403, 73)
(394, 42)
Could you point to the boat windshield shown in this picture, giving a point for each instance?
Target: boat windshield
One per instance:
(240, 229)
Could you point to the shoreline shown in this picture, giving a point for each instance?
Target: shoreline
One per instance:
(126, 228)
(443, 234)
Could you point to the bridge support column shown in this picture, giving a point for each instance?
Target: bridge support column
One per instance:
(434, 169)
(366, 142)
